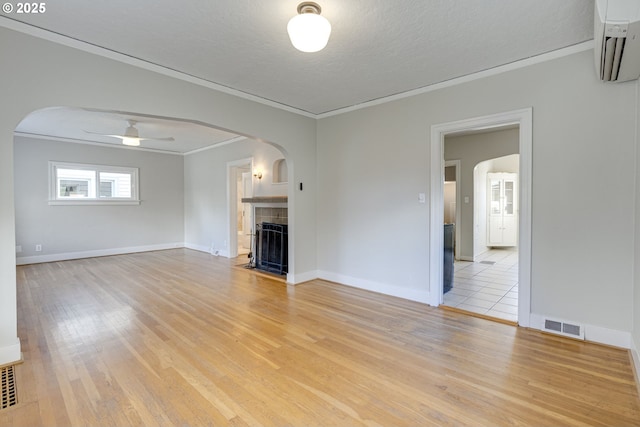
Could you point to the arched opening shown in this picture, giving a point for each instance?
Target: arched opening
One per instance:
(181, 166)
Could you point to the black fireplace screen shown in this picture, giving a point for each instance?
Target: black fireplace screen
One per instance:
(271, 247)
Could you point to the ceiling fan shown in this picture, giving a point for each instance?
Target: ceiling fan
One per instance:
(131, 136)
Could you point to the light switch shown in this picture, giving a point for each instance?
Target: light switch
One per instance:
(421, 198)
(466, 199)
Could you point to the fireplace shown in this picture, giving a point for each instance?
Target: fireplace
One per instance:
(271, 247)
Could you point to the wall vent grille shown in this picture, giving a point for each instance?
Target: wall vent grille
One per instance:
(8, 392)
(563, 328)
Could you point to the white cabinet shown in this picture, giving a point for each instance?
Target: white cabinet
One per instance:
(503, 209)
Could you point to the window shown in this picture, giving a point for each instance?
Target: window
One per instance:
(72, 183)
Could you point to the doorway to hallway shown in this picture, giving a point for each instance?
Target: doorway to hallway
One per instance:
(522, 120)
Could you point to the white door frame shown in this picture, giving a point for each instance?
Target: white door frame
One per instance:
(456, 163)
(232, 204)
(524, 119)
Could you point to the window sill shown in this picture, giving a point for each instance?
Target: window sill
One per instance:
(92, 202)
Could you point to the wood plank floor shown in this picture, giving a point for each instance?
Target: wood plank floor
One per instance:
(180, 337)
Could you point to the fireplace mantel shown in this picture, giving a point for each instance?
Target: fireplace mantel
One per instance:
(265, 199)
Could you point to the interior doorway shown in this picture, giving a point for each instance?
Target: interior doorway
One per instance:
(522, 120)
(244, 212)
(486, 281)
(240, 185)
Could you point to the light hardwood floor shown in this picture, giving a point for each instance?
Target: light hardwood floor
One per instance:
(180, 337)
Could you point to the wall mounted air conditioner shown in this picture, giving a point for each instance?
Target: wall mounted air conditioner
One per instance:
(617, 39)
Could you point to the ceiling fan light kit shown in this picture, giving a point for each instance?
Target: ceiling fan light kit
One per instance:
(309, 31)
(131, 137)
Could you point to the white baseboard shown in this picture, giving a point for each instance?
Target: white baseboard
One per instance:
(297, 278)
(11, 353)
(635, 359)
(197, 247)
(382, 288)
(95, 253)
(597, 334)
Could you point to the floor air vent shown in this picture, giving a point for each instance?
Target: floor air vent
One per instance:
(8, 392)
(563, 328)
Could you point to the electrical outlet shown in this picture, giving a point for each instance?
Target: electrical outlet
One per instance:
(38, 248)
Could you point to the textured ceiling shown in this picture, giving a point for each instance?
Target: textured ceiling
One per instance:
(377, 49)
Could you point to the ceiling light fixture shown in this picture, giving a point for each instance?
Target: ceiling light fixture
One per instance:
(309, 31)
(131, 136)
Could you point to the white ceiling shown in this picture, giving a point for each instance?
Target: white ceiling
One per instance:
(378, 48)
(74, 124)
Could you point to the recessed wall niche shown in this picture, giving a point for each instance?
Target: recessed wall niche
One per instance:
(280, 172)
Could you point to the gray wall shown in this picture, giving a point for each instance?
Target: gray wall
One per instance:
(372, 163)
(363, 170)
(38, 73)
(636, 266)
(158, 220)
(471, 150)
(205, 196)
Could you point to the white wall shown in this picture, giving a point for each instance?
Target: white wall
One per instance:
(471, 150)
(372, 163)
(75, 231)
(205, 196)
(37, 73)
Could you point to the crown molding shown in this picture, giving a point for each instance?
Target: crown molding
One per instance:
(140, 63)
(555, 54)
(137, 62)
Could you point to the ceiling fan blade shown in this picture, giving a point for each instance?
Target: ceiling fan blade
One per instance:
(104, 134)
(169, 138)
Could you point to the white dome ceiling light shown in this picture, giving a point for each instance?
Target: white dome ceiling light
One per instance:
(309, 31)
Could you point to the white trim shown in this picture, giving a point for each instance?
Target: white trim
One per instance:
(216, 145)
(65, 256)
(296, 279)
(555, 54)
(210, 251)
(382, 288)
(140, 63)
(11, 353)
(635, 359)
(94, 143)
(93, 202)
(198, 248)
(456, 163)
(592, 333)
(127, 147)
(55, 199)
(524, 118)
(231, 250)
(136, 62)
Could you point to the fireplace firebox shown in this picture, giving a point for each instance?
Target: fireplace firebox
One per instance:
(271, 247)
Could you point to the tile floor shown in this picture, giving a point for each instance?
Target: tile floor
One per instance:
(488, 286)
